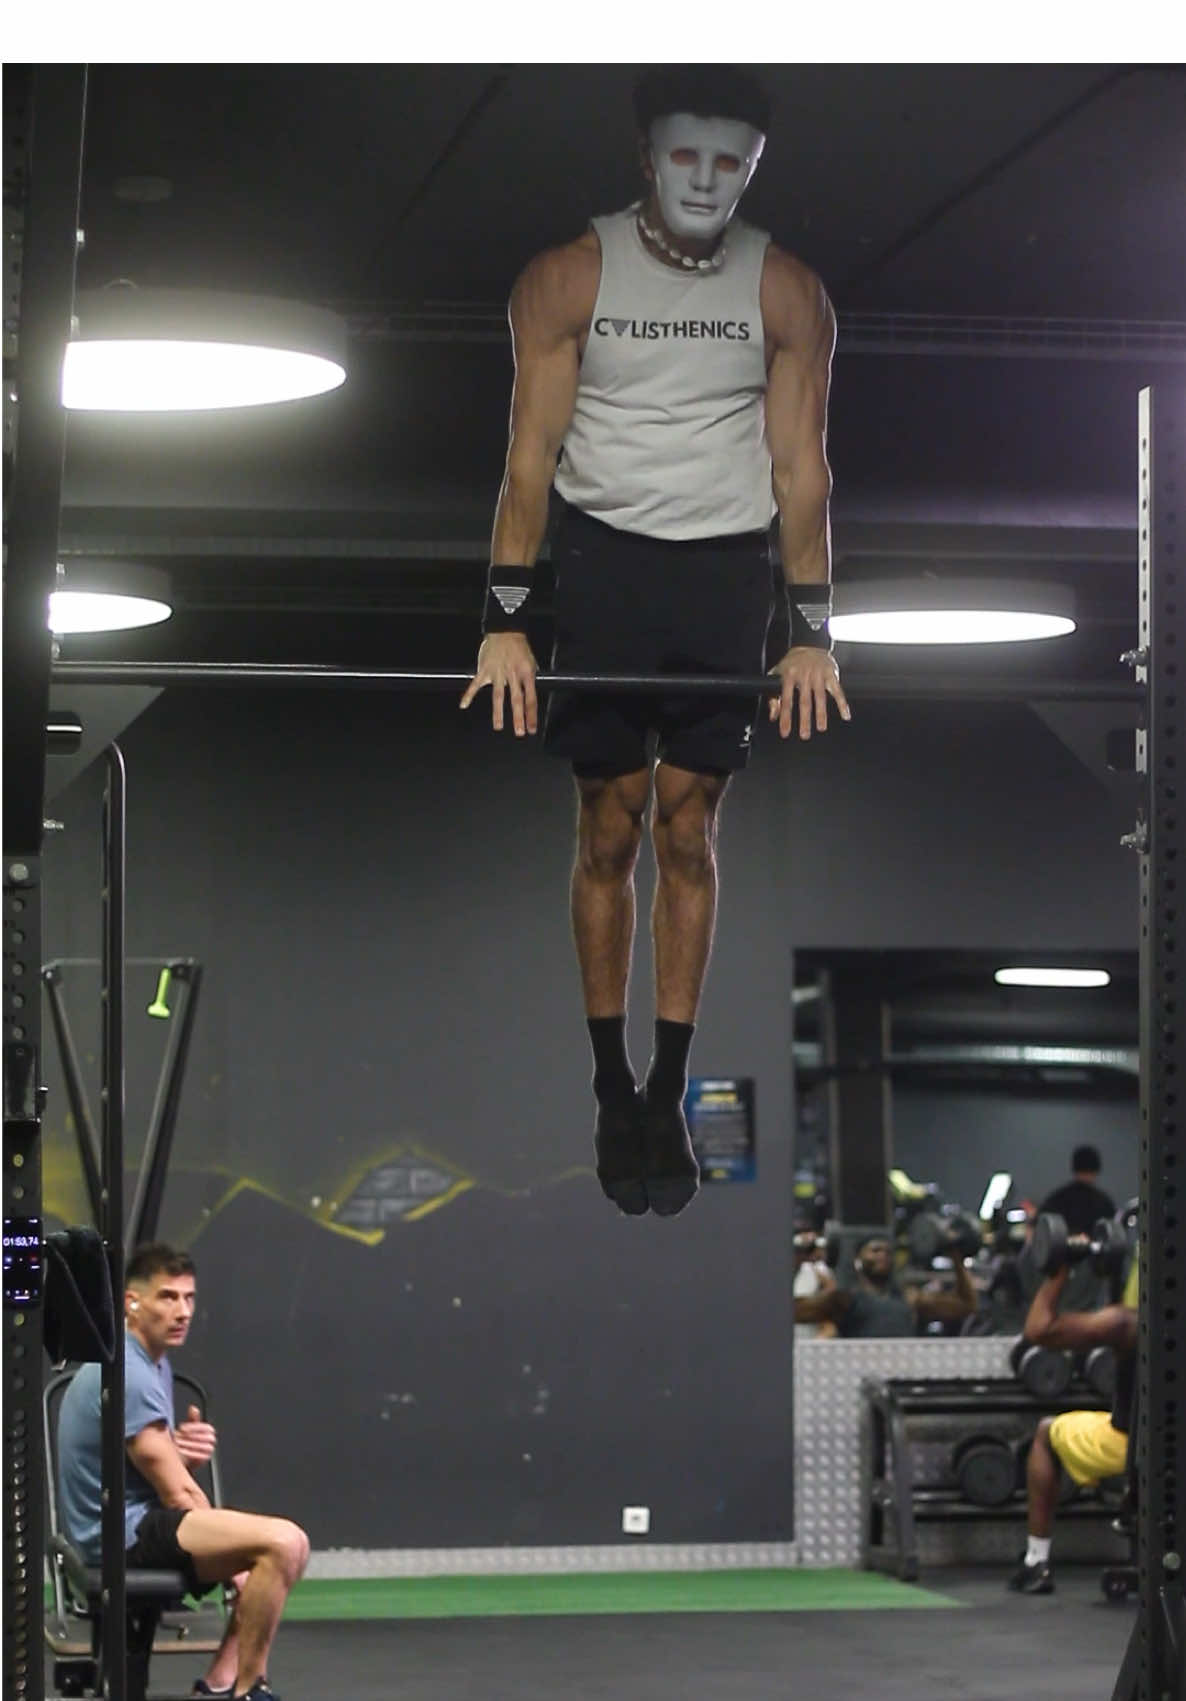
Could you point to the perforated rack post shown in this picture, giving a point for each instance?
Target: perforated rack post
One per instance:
(1154, 1666)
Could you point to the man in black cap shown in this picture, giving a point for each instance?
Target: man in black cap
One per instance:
(1079, 1201)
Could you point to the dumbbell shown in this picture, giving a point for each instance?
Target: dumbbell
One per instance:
(812, 1246)
(1119, 1582)
(1045, 1373)
(934, 1236)
(1097, 1367)
(985, 1467)
(1052, 1247)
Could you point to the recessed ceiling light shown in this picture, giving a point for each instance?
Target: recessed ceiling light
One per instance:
(151, 351)
(950, 611)
(108, 596)
(1052, 977)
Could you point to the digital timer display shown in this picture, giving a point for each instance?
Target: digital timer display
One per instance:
(24, 1259)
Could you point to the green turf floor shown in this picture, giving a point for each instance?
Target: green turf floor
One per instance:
(608, 1592)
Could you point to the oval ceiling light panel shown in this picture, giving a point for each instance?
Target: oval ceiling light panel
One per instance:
(103, 611)
(156, 351)
(948, 626)
(108, 595)
(933, 610)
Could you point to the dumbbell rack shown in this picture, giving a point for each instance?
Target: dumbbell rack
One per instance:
(893, 1503)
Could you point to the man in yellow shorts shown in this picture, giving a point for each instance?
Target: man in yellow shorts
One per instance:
(1087, 1445)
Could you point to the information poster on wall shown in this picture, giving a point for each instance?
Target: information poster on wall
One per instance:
(720, 1115)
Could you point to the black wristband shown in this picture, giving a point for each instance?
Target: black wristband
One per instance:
(508, 599)
(808, 609)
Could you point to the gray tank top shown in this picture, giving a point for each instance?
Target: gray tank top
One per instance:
(668, 435)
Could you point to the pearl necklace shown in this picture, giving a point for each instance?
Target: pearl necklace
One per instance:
(713, 263)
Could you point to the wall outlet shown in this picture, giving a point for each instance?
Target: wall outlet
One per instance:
(636, 1520)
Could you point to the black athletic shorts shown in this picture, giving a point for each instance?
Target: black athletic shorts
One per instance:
(625, 603)
(156, 1548)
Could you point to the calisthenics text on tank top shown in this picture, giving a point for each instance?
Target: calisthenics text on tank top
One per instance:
(668, 434)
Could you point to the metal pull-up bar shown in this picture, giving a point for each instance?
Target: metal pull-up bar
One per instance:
(932, 687)
(300, 673)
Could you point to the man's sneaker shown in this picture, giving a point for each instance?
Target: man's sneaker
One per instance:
(617, 1140)
(1032, 1579)
(672, 1173)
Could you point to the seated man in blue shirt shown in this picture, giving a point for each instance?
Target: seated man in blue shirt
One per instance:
(169, 1522)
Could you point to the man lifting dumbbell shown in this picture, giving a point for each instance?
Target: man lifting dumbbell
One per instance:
(1102, 1254)
(1088, 1445)
(874, 1306)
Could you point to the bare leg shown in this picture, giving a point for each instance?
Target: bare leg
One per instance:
(684, 829)
(609, 831)
(224, 1667)
(1042, 1478)
(272, 1551)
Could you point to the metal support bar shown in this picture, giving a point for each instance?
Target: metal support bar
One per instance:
(158, 1141)
(43, 120)
(111, 1223)
(1026, 337)
(935, 687)
(24, 1456)
(1161, 1504)
(42, 158)
(84, 1127)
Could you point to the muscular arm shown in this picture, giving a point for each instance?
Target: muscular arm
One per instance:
(801, 326)
(800, 330)
(550, 307)
(1075, 1331)
(154, 1454)
(551, 304)
(830, 1307)
(949, 1307)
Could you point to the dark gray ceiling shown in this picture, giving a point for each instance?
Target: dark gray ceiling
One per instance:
(354, 527)
(935, 995)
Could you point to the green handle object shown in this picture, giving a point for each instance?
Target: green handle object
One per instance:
(158, 1007)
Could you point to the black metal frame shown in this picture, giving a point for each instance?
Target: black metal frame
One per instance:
(44, 107)
(84, 1127)
(145, 1212)
(1155, 1665)
(890, 1498)
(111, 1220)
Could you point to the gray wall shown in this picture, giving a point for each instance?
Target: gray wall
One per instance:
(958, 1138)
(378, 890)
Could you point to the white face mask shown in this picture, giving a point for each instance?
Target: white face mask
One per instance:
(702, 166)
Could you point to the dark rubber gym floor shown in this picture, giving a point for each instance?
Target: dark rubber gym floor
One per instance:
(987, 1646)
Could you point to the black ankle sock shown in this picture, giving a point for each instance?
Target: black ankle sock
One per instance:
(667, 1077)
(613, 1078)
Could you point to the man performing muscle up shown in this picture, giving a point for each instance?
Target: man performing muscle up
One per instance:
(682, 363)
